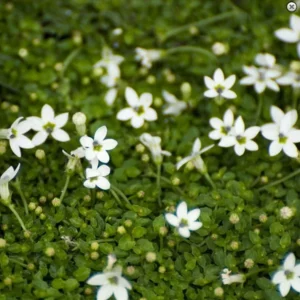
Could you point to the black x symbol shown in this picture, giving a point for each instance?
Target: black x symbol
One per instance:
(291, 6)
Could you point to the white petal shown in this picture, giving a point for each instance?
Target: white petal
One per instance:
(47, 113)
(131, 97)
(125, 114)
(294, 135)
(278, 277)
(260, 86)
(298, 49)
(276, 114)
(216, 123)
(183, 161)
(100, 134)
(103, 183)
(271, 84)
(228, 94)
(150, 114)
(210, 84)
(195, 225)
(228, 118)
(23, 127)
(227, 141)
(24, 142)
(196, 145)
(285, 80)
(16, 122)
(184, 232)
(99, 279)
(295, 282)
(181, 210)
(248, 80)
(297, 270)
(104, 170)
(61, 120)
(219, 76)
(252, 71)
(89, 184)
(103, 156)
(215, 135)
(194, 214)
(239, 149)
(290, 149)
(110, 96)
(251, 132)
(172, 220)
(275, 148)
(86, 141)
(123, 282)
(211, 94)
(60, 135)
(120, 293)
(288, 121)
(284, 288)
(94, 163)
(229, 82)
(146, 99)
(137, 121)
(9, 174)
(109, 144)
(36, 123)
(270, 131)
(169, 97)
(295, 23)
(287, 35)
(15, 147)
(91, 172)
(251, 146)
(39, 138)
(206, 148)
(105, 292)
(239, 126)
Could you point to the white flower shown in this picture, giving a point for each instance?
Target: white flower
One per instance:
(49, 124)
(139, 109)
(221, 127)
(184, 221)
(219, 86)
(266, 60)
(281, 132)
(174, 106)
(195, 157)
(241, 139)
(146, 57)
(6, 177)
(96, 177)
(97, 147)
(291, 35)
(290, 78)
(219, 48)
(229, 279)
(288, 276)
(153, 143)
(74, 158)
(16, 137)
(112, 283)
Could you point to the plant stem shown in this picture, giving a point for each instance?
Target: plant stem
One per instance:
(279, 180)
(121, 194)
(3, 134)
(68, 60)
(161, 242)
(209, 180)
(158, 184)
(18, 188)
(295, 98)
(189, 49)
(258, 112)
(116, 197)
(17, 262)
(63, 192)
(11, 207)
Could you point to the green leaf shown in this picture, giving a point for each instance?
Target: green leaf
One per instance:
(126, 243)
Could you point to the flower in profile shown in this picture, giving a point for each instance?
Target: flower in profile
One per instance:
(281, 132)
(221, 127)
(96, 178)
(139, 109)
(288, 276)
(174, 106)
(16, 137)
(195, 157)
(153, 144)
(6, 177)
(74, 158)
(97, 147)
(49, 124)
(219, 86)
(229, 279)
(291, 35)
(264, 76)
(241, 139)
(147, 57)
(111, 282)
(184, 221)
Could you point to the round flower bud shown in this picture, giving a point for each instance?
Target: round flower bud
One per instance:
(295, 66)
(150, 257)
(171, 243)
(58, 66)
(32, 206)
(50, 251)
(140, 148)
(162, 269)
(7, 281)
(286, 213)
(163, 231)
(56, 202)
(157, 102)
(117, 31)
(4, 227)
(30, 266)
(140, 194)
(23, 52)
(88, 291)
(98, 72)
(234, 218)
(193, 30)
(54, 85)
(151, 79)
(263, 218)
(43, 199)
(175, 181)
(249, 263)
(190, 166)
(2, 149)
(42, 217)
(2, 243)
(105, 234)
(219, 292)
(145, 158)
(99, 195)
(5, 105)
(79, 119)
(234, 245)
(94, 255)
(27, 234)
(130, 270)
(50, 196)
(186, 89)
(298, 242)
(264, 179)
(94, 246)
(219, 48)
(214, 236)
(36, 42)
(270, 262)
(38, 210)
(33, 96)
(14, 108)
(87, 198)
(257, 230)
(40, 154)
(121, 230)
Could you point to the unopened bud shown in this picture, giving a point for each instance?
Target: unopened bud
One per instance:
(121, 230)
(130, 270)
(186, 90)
(249, 263)
(79, 119)
(40, 154)
(94, 246)
(140, 148)
(23, 52)
(286, 213)
(2, 243)
(234, 245)
(50, 251)
(150, 257)
(263, 218)
(32, 206)
(94, 255)
(219, 48)
(56, 202)
(219, 292)
(234, 218)
(162, 269)
(38, 210)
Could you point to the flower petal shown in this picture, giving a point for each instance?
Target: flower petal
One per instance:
(183, 161)
(248, 80)
(89, 184)
(216, 123)
(219, 76)
(47, 113)
(172, 220)
(36, 123)
(86, 141)
(227, 141)
(120, 293)
(239, 149)
(295, 282)
(102, 156)
(290, 149)
(276, 114)
(104, 170)
(251, 146)
(137, 121)
(194, 214)
(98, 279)
(125, 283)
(23, 127)
(272, 85)
(252, 132)
(229, 82)
(278, 277)
(295, 23)
(195, 225)
(275, 148)
(184, 232)
(196, 145)
(211, 94)
(109, 144)
(100, 134)
(103, 183)
(287, 35)
(284, 288)
(239, 126)
(132, 97)
(169, 97)
(60, 135)
(288, 121)
(110, 96)
(181, 211)
(228, 94)
(24, 142)
(270, 131)
(105, 292)
(125, 114)
(150, 114)
(146, 99)
(15, 147)
(61, 120)
(210, 84)
(228, 118)
(215, 135)
(259, 86)
(39, 138)
(294, 135)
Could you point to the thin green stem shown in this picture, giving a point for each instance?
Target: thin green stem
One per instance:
(259, 108)
(158, 184)
(19, 190)
(161, 243)
(116, 197)
(17, 262)
(209, 180)
(259, 271)
(295, 98)
(63, 192)
(121, 194)
(279, 180)
(11, 207)
(68, 60)
(189, 49)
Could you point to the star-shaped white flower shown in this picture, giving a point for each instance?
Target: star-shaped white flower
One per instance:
(241, 139)
(219, 86)
(288, 276)
(112, 283)
(16, 137)
(96, 177)
(184, 221)
(281, 132)
(49, 124)
(97, 147)
(139, 109)
(195, 157)
(263, 77)
(153, 144)
(174, 106)
(221, 127)
(291, 35)
(147, 56)
(6, 177)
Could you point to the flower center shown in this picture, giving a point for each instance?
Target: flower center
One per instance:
(282, 138)
(241, 139)
(97, 147)
(225, 129)
(289, 274)
(114, 280)
(219, 89)
(13, 133)
(139, 109)
(183, 223)
(49, 127)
